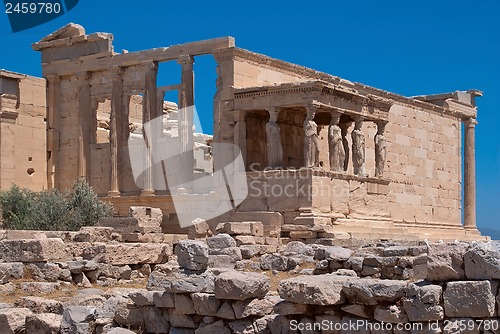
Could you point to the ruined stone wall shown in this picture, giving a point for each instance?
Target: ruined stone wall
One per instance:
(23, 136)
(424, 165)
(240, 283)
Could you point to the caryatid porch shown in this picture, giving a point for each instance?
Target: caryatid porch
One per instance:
(286, 121)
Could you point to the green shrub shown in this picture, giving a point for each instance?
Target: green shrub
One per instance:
(23, 209)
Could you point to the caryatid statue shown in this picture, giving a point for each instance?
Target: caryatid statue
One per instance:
(336, 147)
(311, 145)
(380, 149)
(358, 147)
(274, 148)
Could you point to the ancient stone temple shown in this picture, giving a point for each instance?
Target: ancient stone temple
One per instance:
(324, 157)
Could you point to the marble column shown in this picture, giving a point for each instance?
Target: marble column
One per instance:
(358, 147)
(335, 146)
(53, 100)
(274, 147)
(114, 130)
(148, 113)
(380, 148)
(240, 135)
(84, 125)
(186, 109)
(311, 144)
(469, 174)
(344, 127)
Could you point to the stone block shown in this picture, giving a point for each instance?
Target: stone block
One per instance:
(240, 286)
(123, 254)
(180, 282)
(129, 225)
(368, 291)
(183, 304)
(314, 290)
(33, 250)
(482, 262)
(163, 299)
(446, 261)
(13, 320)
(222, 240)
(206, 304)
(43, 323)
(40, 305)
(469, 299)
(192, 254)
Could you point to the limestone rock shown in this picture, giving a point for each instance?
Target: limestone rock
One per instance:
(273, 262)
(192, 254)
(33, 250)
(180, 282)
(240, 286)
(482, 261)
(216, 327)
(222, 240)
(469, 299)
(390, 314)
(315, 290)
(8, 271)
(205, 304)
(226, 311)
(142, 297)
(183, 304)
(297, 247)
(43, 323)
(333, 253)
(124, 254)
(12, 320)
(40, 305)
(368, 291)
(119, 330)
(154, 321)
(78, 319)
(199, 229)
(445, 261)
(163, 299)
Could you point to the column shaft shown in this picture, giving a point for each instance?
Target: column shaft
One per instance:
(274, 147)
(469, 174)
(186, 110)
(53, 94)
(84, 126)
(114, 130)
(240, 134)
(149, 112)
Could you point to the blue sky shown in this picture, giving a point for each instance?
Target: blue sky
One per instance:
(410, 48)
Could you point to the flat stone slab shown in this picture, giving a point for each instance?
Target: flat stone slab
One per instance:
(469, 299)
(368, 291)
(237, 285)
(122, 254)
(181, 283)
(314, 290)
(33, 250)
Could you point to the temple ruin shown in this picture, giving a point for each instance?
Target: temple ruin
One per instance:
(349, 160)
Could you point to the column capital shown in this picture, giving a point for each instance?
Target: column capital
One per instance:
(273, 113)
(117, 71)
(151, 66)
(335, 117)
(312, 108)
(470, 122)
(185, 59)
(53, 79)
(83, 76)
